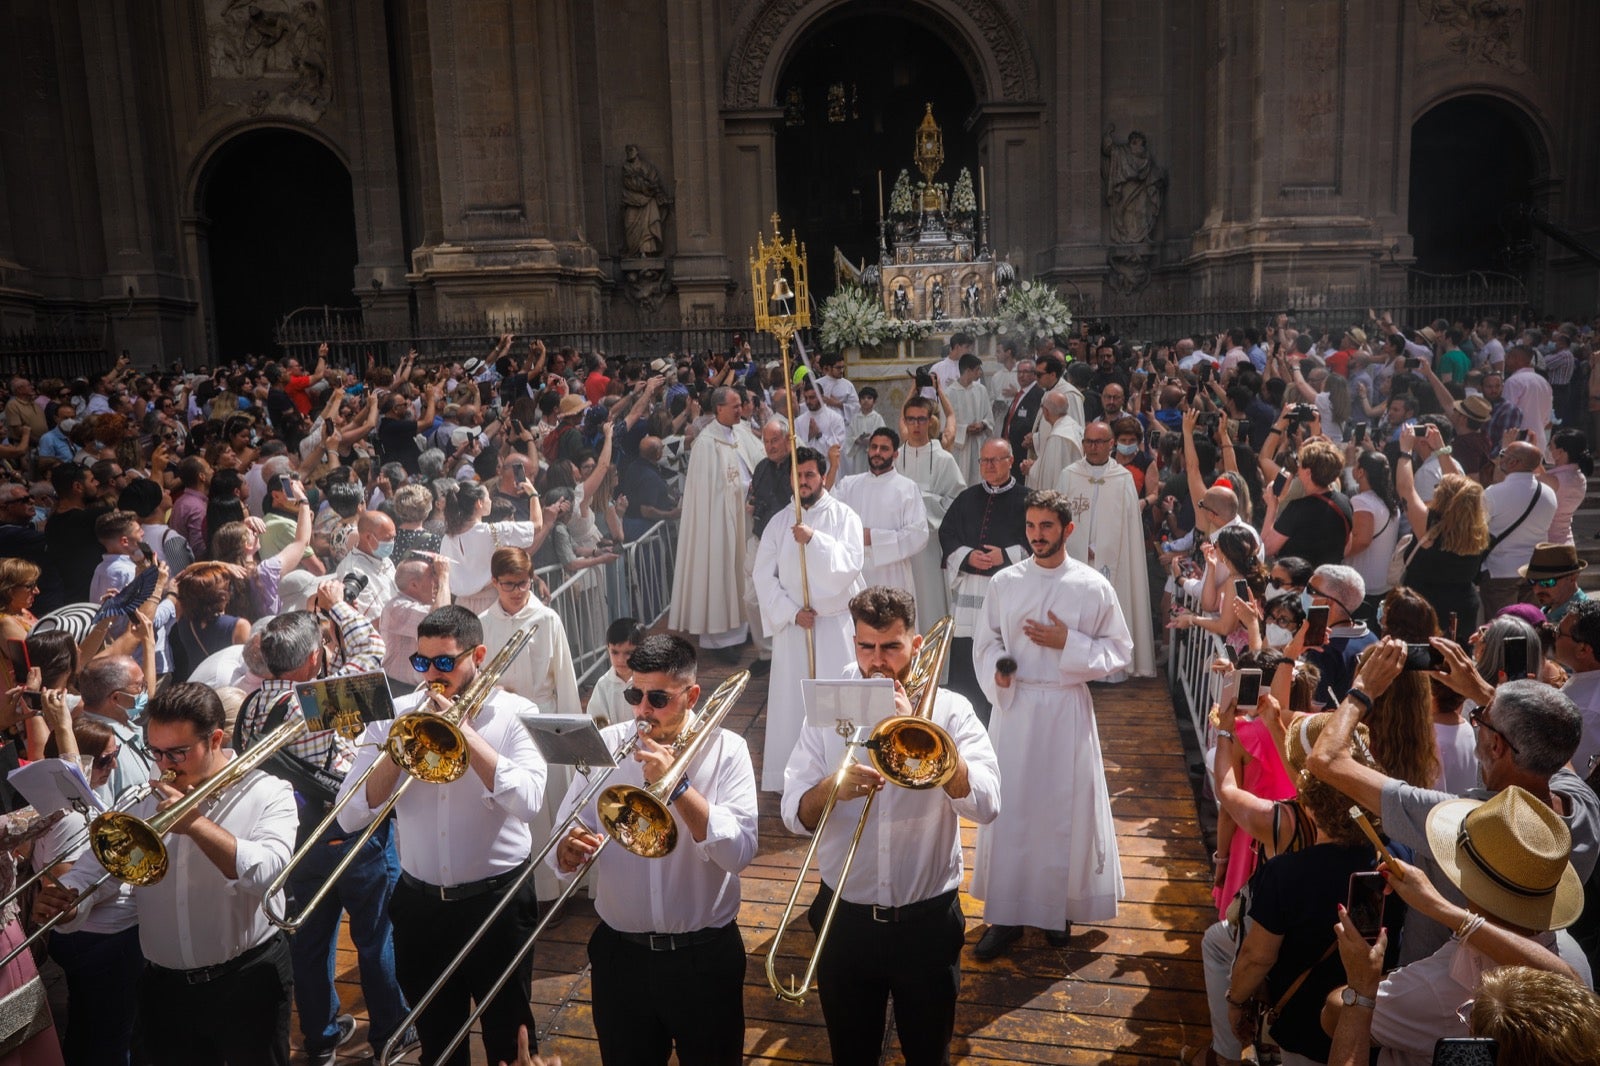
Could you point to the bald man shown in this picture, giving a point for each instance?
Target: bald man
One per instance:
(23, 410)
(370, 558)
(423, 586)
(1520, 510)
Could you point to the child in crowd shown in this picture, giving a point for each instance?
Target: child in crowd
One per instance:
(606, 704)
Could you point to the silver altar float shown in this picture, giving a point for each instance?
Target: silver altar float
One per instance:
(935, 274)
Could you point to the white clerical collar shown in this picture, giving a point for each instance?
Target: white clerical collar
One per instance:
(995, 491)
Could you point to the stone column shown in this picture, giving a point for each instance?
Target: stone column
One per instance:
(700, 265)
(749, 167)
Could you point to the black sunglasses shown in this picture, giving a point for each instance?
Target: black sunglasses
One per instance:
(1479, 718)
(659, 698)
(445, 664)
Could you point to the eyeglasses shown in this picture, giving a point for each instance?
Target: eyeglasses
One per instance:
(514, 586)
(915, 420)
(1546, 582)
(109, 759)
(994, 461)
(175, 756)
(1096, 440)
(1480, 719)
(445, 664)
(659, 698)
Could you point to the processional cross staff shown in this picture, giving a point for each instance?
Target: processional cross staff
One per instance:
(783, 311)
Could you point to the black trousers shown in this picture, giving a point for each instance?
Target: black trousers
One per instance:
(863, 961)
(703, 1017)
(964, 678)
(240, 1018)
(428, 932)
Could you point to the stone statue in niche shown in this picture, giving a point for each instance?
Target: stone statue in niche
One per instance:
(1134, 186)
(936, 301)
(902, 302)
(971, 296)
(645, 205)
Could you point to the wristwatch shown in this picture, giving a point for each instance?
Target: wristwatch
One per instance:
(1351, 998)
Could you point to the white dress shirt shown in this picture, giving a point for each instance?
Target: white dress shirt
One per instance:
(68, 841)
(911, 848)
(397, 625)
(1583, 688)
(469, 553)
(1507, 502)
(380, 581)
(461, 832)
(195, 916)
(696, 885)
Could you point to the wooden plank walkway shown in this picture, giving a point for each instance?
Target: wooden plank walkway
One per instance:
(1129, 991)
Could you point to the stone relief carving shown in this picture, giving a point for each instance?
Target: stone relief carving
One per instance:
(1001, 34)
(645, 205)
(646, 282)
(1485, 30)
(1134, 186)
(269, 55)
(1130, 271)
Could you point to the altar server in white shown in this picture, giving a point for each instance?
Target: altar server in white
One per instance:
(1108, 535)
(894, 521)
(974, 417)
(1050, 859)
(830, 536)
(708, 595)
(1058, 447)
(816, 425)
(867, 420)
(935, 471)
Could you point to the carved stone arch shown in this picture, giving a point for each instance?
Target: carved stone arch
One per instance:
(1523, 112)
(194, 185)
(985, 34)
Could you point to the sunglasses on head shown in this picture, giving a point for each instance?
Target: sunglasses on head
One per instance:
(445, 664)
(659, 698)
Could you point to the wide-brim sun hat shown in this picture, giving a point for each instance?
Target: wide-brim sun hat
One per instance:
(1510, 856)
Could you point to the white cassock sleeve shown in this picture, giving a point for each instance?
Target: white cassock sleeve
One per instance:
(988, 648)
(840, 553)
(907, 537)
(778, 608)
(1100, 647)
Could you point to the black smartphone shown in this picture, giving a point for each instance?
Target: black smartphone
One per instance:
(1466, 1051)
(1365, 903)
(1193, 392)
(32, 700)
(1524, 435)
(1279, 482)
(1358, 434)
(1423, 657)
(1241, 588)
(1317, 625)
(1516, 657)
(1249, 690)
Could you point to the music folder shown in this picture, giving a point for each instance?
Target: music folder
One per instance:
(866, 701)
(568, 739)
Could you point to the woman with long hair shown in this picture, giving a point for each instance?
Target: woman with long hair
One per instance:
(225, 502)
(1376, 529)
(1401, 719)
(239, 543)
(203, 626)
(470, 542)
(1444, 562)
(1568, 474)
(1234, 555)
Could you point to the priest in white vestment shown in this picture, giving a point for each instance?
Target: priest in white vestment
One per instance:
(707, 589)
(543, 673)
(866, 422)
(894, 520)
(1108, 535)
(1050, 859)
(817, 425)
(835, 389)
(830, 536)
(974, 418)
(1060, 445)
(934, 470)
(1001, 380)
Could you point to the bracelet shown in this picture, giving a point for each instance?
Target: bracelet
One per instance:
(1360, 697)
(1228, 733)
(1274, 431)
(1469, 925)
(683, 786)
(1227, 996)
(1407, 456)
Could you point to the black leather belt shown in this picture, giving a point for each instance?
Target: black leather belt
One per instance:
(674, 941)
(454, 893)
(910, 912)
(204, 975)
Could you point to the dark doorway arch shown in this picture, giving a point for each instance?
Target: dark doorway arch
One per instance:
(1474, 159)
(888, 67)
(281, 234)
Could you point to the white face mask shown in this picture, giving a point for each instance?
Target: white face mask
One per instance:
(1277, 636)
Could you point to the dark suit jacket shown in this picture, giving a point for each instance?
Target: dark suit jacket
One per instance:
(1021, 422)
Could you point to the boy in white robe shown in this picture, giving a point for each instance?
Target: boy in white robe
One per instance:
(974, 417)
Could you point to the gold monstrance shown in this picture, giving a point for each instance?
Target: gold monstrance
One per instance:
(929, 157)
(783, 308)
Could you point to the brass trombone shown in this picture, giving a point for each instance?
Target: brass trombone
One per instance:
(634, 820)
(908, 749)
(428, 745)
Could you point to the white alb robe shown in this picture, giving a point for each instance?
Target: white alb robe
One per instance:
(971, 404)
(708, 575)
(1074, 396)
(829, 428)
(833, 573)
(1108, 535)
(1051, 856)
(862, 426)
(842, 390)
(1002, 385)
(890, 507)
(1058, 449)
(936, 473)
(543, 673)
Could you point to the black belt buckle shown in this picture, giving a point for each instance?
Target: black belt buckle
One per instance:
(662, 942)
(885, 915)
(203, 976)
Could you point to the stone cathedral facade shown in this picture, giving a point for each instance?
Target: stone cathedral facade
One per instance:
(614, 159)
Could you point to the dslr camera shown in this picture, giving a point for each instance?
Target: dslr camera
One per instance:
(1301, 412)
(354, 586)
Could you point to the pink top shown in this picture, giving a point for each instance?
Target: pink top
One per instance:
(1264, 775)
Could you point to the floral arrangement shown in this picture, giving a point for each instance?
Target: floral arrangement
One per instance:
(903, 202)
(1035, 311)
(852, 317)
(962, 201)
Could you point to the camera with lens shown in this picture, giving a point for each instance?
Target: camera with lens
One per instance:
(1301, 412)
(924, 378)
(354, 586)
(1206, 423)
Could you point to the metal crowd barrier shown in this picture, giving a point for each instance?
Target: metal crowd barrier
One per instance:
(639, 584)
(1192, 651)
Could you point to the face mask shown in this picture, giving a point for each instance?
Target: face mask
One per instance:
(40, 516)
(1277, 636)
(1305, 600)
(385, 549)
(1380, 616)
(1127, 449)
(137, 711)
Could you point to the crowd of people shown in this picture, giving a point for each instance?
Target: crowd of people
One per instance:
(1375, 525)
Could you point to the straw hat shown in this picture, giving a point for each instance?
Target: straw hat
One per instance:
(1508, 855)
(1427, 334)
(1474, 408)
(1358, 335)
(570, 404)
(1552, 560)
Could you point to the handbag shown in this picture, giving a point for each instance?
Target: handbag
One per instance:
(1406, 547)
(24, 1013)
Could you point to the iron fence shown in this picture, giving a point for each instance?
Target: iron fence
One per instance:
(54, 354)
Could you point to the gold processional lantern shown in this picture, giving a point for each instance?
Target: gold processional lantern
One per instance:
(929, 157)
(782, 297)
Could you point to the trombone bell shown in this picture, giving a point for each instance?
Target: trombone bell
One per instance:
(129, 848)
(912, 752)
(428, 746)
(638, 821)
